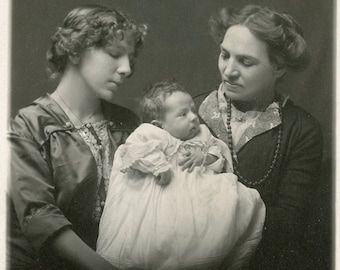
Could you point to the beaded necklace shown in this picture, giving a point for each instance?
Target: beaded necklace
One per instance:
(234, 156)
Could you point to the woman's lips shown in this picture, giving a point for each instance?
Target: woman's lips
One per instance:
(231, 86)
(116, 83)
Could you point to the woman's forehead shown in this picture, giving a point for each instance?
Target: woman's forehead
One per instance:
(240, 40)
(125, 43)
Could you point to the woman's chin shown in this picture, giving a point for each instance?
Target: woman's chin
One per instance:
(107, 96)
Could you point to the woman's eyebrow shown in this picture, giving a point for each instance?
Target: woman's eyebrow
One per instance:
(247, 57)
(240, 56)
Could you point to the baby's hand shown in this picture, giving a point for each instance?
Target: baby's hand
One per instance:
(192, 159)
(164, 178)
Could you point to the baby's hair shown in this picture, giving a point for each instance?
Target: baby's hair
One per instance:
(151, 106)
(90, 26)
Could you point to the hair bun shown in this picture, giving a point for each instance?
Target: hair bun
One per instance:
(294, 46)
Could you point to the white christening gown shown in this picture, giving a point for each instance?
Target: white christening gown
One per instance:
(201, 220)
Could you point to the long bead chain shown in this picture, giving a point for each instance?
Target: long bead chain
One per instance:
(234, 156)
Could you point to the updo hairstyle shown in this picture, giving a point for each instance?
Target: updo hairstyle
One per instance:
(90, 26)
(282, 34)
(151, 106)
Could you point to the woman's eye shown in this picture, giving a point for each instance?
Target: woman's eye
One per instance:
(224, 55)
(114, 55)
(247, 64)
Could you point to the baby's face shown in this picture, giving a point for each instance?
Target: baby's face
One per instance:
(180, 118)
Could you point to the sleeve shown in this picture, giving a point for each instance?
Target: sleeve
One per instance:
(146, 151)
(286, 219)
(31, 187)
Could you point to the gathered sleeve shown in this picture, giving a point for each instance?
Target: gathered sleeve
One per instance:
(31, 187)
(148, 149)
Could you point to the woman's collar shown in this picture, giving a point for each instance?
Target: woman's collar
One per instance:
(280, 100)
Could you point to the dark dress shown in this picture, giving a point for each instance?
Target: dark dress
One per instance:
(289, 190)
(53, 181)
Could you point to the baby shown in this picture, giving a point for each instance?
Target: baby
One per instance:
(169, 206)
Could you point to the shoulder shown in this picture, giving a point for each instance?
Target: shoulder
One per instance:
(37, 106)
(300, 122)
(33, 120)
(147, 132)
(296, 115)
(148, 128)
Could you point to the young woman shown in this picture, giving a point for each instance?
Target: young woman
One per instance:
(62, 144)
(276, 145)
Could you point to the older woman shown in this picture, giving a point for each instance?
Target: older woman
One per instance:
(276, 145)
(62, 144)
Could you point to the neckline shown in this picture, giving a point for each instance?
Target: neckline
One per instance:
(70, 115)
(250, 183)
(240, 116)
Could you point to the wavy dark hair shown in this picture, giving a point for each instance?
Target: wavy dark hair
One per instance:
(282, 34)
(151, 106)
(90, 26)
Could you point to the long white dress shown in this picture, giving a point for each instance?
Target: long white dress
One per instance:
(201, 220)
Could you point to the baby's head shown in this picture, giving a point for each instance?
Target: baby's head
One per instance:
(168, 106)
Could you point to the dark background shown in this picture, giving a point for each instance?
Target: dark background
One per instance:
(179, 46)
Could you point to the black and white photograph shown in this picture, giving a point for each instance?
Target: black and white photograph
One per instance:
(170, 134)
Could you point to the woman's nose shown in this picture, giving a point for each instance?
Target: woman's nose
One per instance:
(124, 66)
(230, 69)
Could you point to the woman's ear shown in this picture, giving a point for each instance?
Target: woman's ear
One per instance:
(157, 123)
(279, 72)
(74, 59)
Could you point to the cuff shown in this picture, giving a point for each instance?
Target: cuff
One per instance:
(41, 225)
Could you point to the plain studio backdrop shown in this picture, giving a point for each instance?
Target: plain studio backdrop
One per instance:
(179, 46)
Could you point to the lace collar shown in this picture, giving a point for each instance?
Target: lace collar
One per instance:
(213, 112)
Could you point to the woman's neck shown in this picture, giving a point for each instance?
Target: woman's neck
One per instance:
(82, 103)
(260, 104)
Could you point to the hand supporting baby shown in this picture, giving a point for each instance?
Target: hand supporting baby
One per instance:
(196, 157)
